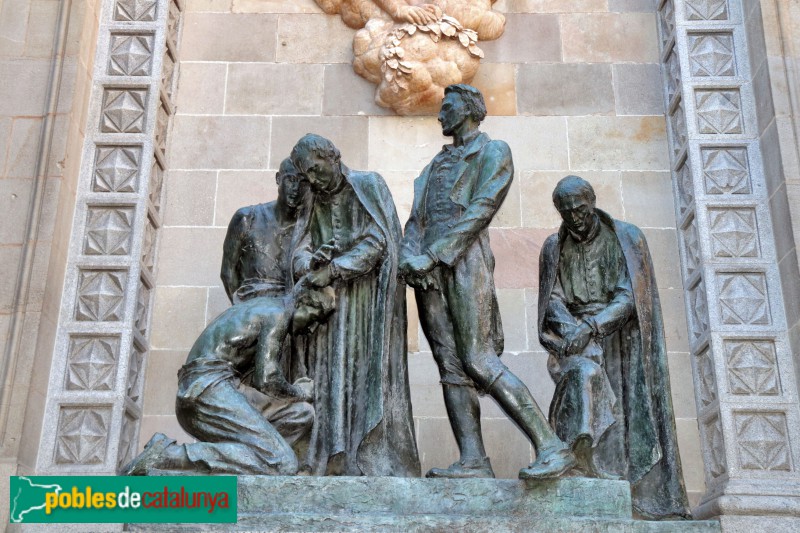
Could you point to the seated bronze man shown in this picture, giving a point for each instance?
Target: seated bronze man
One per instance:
(600, 320)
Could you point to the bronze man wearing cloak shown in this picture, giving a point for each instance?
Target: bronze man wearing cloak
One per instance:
(600, 320)
(446, 257)
(358, 359)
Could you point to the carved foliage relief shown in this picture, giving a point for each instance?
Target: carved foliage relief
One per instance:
(413, 50)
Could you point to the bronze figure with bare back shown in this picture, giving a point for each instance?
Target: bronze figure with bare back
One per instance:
(233, 395)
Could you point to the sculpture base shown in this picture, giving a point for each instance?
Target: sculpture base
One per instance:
(471, 505)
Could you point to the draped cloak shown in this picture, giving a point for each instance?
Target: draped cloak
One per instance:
(358, 359)
(653, 464)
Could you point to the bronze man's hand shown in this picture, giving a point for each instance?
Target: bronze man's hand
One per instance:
(576, 341)
(424, 283)
(321, 277)
(417, 265)
(322, 256)
(305, 386)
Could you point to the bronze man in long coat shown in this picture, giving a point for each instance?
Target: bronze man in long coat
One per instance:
(359, 357)
(600, 320)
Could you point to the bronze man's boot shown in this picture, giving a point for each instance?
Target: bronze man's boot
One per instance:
(553, 457)
(464, 412)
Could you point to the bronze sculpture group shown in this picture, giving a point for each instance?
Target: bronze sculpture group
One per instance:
(307, 371)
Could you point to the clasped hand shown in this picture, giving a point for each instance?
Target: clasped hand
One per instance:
(305, 387)
(416, 265)
(321, 274)
(321, 277)
(415, 270)
(576, 340)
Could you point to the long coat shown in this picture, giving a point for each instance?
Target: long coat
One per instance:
(654, 466)
(364, 412)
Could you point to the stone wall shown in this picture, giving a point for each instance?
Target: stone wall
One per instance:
(46, 59)
(781, 57)
(574, 86)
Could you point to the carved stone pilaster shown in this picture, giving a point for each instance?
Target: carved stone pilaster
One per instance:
(94, 403)
(747, 401)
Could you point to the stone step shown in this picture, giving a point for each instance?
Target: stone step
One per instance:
(402, 496)
(434, 523)
(426, 505)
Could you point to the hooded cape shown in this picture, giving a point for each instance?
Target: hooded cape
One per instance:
(654, 466)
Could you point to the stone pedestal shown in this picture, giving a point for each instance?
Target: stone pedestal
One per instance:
(473, 505)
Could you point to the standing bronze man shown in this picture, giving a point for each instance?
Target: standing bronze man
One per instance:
(358, 358)
(600, 320)
(446, 257)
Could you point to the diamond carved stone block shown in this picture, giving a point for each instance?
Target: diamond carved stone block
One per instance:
(699, 310)
(116, 168)
(82, 435)
(101, 295)
(127, 444)
(108, 231)
(719, 111)
(156, 182)
(666, 19)
(173, 21)
(707, 9)
(149, 246)
(678, 123)
(142, 308)
(130, 55)
(673, 70)
(684, 182)
(725, 170)
(135, 10)
(715, 447)
(92, 363)
(135, 373)
(707, 378)
(711, 54)
(691, 245)
(123, 111)
(743, 298)
(734, 232)
(162, 123)
(752, 367)
(763, 442)
(168, 74)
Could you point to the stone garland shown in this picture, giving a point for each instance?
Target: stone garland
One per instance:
(94, 402)
(748, 412)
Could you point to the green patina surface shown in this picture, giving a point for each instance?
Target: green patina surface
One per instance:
(277, 503)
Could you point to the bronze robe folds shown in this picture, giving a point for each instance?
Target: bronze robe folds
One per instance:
(358, 359)
(642, 440)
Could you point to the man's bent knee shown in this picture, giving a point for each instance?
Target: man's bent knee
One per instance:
(484, 368)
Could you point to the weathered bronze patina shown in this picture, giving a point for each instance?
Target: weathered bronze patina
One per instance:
(446, 257)
(232, 393)
(358, 358)
(600, 320)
